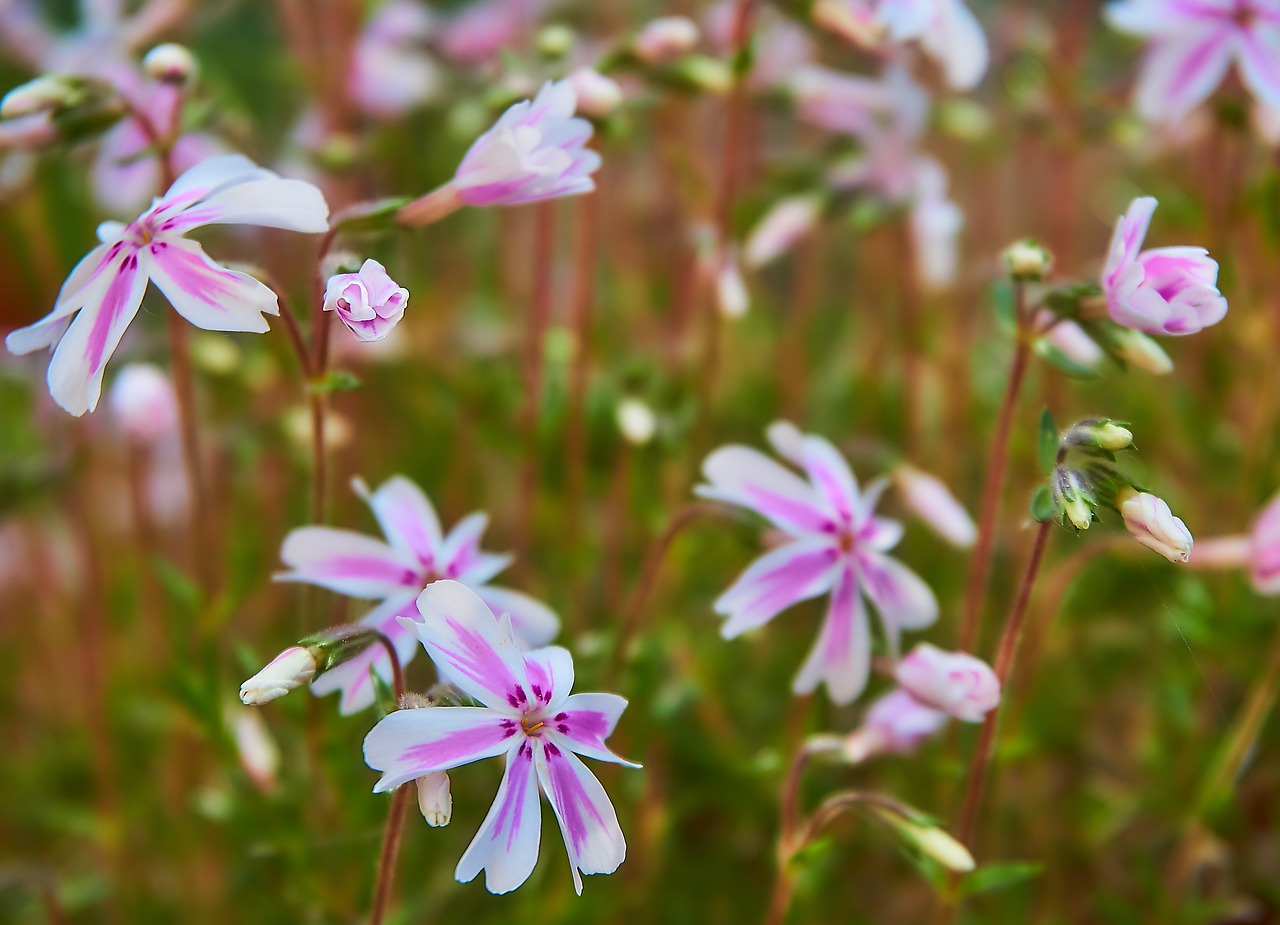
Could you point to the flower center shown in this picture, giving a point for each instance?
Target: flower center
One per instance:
(1244, 14)
(847, 542)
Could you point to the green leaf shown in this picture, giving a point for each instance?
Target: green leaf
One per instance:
(1050, 439)
(339, 380)
(1042, 505)
(999, 876)
(178, 587)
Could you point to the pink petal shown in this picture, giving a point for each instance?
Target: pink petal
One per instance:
(533, 622)
(780, 578)
(1180, 72)
(347, 562)
(408, 520)
(207, 295)
(841, 656)
(902, 598)
(506, 847)
(585, 721)
(1259, 62)
(827, 469)
(587, 819)
(87, 282)
(461, 556)
(746, 477)
(550, 671)
(407, 744)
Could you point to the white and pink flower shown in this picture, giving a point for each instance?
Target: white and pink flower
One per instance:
(370, 303)
(415, 553)
(1150, 522)
(836, 546)
(1257, 552)
(1164, 290)
(104, 291)
(527, 714)
(1194, 43)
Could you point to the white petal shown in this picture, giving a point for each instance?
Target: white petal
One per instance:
(407, 744)
(347, 562)
(506, 847)
(587, 819)
(207, 295)
(535, 623)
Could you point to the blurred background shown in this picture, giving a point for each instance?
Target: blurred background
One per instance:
(135, 787)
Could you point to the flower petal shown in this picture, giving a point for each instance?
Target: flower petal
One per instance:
(746, 477)
(902, 598)
(75, 372)
(1259, 62)
(1180, 72)
(841, 656)
(585, 721)
(407, 744)
(535, 624)
(587, 819)
(550, 671)
(506, 846)
(207, 295)
(352, 676)
(472, 647)
(461, 556)
(97, 267)
(775, 581)
(957, 41)
(408, 519)
(347, 562)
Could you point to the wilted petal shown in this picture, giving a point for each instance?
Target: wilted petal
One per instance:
(408, 744)
(775, 581)
(206, 294)
(506, 847)
(587, 819)
(841, 657)
(347, 562)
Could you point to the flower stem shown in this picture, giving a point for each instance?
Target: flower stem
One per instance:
(390, 849)
(184, 389)
(1003, 668)
(317, 399)
(980, 564)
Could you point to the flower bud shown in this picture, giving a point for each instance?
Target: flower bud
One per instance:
(292, 668)
(598, 95)
(434, 799)
(143, 402)
(555, 40)
(370, 303)
(636, 420)
(731, 291)
(702, 73)
(1069, 339)
(930, 500)
(1138, 350)
(170, 63)
(954, 682)
(44, 94)
(259, 755)
(1102, 433)
(1152, 524)
(932, 841)
(1074, 500)
(665, 38)
(781, 228)
(1027, 261)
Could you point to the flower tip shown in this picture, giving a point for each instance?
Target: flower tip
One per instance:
(170, 63)
(289, 670)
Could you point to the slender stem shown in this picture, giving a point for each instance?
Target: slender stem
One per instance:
(295, 338)
(980, 564)
(584, 262)
(319, 367)
(390, 849)
(1003, 668)
(535, 348)
(184, 389)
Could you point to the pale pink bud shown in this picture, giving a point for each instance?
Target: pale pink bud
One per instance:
(1070, 340)
(434, 799)
(1152, 524)
(258, 753)
(598, 95)
(665, 38)
(1266, 549)
(731, 291)
(370, 302)
(292, 668)
(143, 402)
(897, 722)
(781, 228)
(954, 682)
(929, 499)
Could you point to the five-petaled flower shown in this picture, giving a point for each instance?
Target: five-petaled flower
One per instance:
(526, 714)
(1164, 290)
(106, 287)
(415, 553)
(1193, 44)
(836, 545)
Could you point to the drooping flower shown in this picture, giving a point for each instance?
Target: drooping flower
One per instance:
(369, 303)
(1164, 290)
(946, 29)
(836, 546)
(416, 552)
(928, 498)
(1150, 522)
(105, 289)
(527, 714)
(1194, 44)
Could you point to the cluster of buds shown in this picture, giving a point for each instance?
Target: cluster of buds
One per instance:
(1083, 477)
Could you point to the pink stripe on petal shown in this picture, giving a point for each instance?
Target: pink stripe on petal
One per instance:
(588, 823)
(841, 656)
(407, 744)
(506, 846)
(775, 581)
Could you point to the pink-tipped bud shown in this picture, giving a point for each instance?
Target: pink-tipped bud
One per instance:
(170, 63)
(665, 38)
(291, 669)
(781, 228)
(1149, 520)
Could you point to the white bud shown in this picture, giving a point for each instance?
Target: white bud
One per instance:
(170, 63)
(52, 91)
(665, 38)
(731, 291)
(434, 799)
(598, 95)
(938, 844)
(636, 420)
(291, 669)
(259, 755)
(1149, 520)
(143, 402)
(1027, 261)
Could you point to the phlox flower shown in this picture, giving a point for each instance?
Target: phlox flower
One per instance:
(415, 553)
(526, 713)
(1164, 290)
(947, 31)
(836, 545)
(370, 303)
(390, 71)
(105, 289)
(1194, 44)
(1150, 522)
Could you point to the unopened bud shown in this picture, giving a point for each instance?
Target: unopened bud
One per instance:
(1149, 520)
(1074, 499)
(636, 420)
(1102, 433)
(665, 38)
(259, 755)
(781, 228)
(291, 669)
(434, 799)
(932, 841)
(703, 73)
(555, 41)
(928, 498)
(1027, 261)
(170, 63)
(1138, 350)
(597, 94)
(731, 291)
(44, 94)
